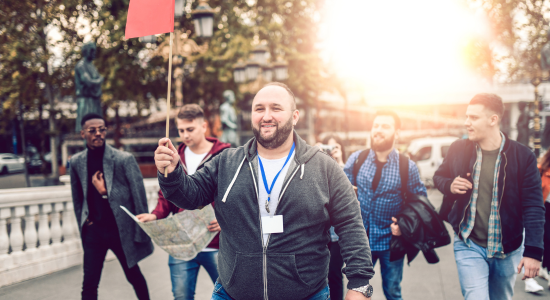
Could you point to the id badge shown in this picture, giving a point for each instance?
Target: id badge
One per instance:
(272, 224)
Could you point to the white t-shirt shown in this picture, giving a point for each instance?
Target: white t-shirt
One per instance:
(192, 162)
(271, 167)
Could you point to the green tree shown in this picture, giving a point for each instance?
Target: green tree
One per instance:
(519, 31)
(30, 77)
(288, 28)
(30, 73)
(131, 74)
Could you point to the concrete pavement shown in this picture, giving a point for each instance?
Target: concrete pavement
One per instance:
(420, 280)
(66, 285)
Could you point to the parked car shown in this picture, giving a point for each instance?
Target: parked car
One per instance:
(10, 163)
(428, 154)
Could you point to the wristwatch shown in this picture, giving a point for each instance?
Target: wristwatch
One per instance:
(366, 290)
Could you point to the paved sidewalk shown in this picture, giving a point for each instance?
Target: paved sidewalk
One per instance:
(66, 284)
(420, 280)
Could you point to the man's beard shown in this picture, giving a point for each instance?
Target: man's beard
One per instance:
(385, 145)
(277, 139)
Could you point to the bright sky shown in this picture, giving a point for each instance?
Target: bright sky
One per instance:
(401, 50)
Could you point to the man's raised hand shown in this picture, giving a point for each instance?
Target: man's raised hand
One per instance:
(166, 155)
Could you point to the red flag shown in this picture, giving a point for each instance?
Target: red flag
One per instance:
(148, 17)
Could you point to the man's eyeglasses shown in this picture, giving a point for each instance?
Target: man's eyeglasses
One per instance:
(94, 130)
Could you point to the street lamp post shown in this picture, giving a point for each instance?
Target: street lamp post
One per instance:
(239, 72)
(267, 72)
(203, 17)
(260, 54)
(252, 70)
(258, 70)
(536, 134)
(184, 46)
(281, 70)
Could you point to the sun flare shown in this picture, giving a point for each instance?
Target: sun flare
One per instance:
(412, 46)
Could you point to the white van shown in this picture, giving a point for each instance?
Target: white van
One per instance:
(428, 153)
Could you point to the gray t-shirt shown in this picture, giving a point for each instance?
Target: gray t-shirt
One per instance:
(271, 167)
(485, 197)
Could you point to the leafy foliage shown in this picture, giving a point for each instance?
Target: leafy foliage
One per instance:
(519, 30)
(31, 32)
(288, 27)
(30, 76)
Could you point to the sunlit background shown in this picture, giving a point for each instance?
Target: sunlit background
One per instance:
(403, 52)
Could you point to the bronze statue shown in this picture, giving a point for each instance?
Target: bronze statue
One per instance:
(228, 118)
(87, 84)
(523, 125)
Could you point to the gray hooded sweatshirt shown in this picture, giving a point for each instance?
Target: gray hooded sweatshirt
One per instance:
(316, 194)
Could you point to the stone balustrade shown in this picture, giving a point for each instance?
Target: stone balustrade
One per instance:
(39, 233)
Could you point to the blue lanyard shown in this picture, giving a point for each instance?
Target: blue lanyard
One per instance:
(268, 190)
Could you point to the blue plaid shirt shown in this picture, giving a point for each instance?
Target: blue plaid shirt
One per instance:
(377, 208)
(494, 231)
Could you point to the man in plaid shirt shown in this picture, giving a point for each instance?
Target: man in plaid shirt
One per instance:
(379, 191)
(492, 193)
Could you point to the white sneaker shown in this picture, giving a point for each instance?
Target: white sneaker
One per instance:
(543, 273)
(532, 286)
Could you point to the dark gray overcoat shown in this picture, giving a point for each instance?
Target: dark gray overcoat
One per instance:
(124, 187)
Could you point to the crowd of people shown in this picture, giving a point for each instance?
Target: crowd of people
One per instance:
(294, 218)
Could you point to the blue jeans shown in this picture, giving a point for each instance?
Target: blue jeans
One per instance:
(220, 293)
(483, 278)
(392, 274)
(184, 273)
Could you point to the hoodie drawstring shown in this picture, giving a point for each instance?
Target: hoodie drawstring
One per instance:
(302, 172)
(232, 181)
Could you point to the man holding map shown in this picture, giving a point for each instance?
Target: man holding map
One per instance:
(195, 151)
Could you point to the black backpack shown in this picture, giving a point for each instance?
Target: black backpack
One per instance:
(403, 170)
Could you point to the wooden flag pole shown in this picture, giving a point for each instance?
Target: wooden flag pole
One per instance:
(168, 97)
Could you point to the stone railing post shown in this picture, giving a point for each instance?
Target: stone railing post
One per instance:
(5, 259)
(55, 227)
(68, 226)
(16, 234)
(27, 251)
(31, 236)
(44, 230)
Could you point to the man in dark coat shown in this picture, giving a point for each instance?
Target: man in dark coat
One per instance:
(103, 179)
(493, 199)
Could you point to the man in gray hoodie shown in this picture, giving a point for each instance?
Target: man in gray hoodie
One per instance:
(276, 198)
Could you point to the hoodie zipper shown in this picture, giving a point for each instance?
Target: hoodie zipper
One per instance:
(264, 247)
